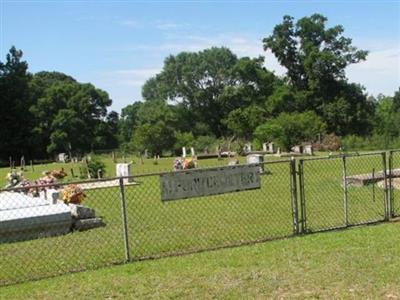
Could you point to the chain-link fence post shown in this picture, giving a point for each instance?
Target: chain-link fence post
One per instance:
(345, 192)
(293, 183)
(302, 198)
(386, 198)
(124, 220)
(390, 188)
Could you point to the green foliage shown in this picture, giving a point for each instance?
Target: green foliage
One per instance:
(15, 100)
(50, 111)
(183, 139)
(243, 121)
(205, 143)
(287, 130)
(153, 137)
(128, 121)
(207, 85)
(312, 54)
(93, 166)
(316, 58)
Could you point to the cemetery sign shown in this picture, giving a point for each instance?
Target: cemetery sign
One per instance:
(199, 183)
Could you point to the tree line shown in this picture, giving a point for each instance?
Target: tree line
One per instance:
(202, 98)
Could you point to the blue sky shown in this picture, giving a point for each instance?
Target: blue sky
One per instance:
(117, 45)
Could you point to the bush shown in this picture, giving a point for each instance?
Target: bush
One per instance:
(205, 142)
(93, 166)
(288, 130)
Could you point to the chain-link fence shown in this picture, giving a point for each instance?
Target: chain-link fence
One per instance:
(342, 191)
(128, 219)
(394, 183)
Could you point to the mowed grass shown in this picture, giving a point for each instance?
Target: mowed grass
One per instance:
(160, 229)
(359, 263)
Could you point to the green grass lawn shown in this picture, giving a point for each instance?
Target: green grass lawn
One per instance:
(161, 229)
(359, 263)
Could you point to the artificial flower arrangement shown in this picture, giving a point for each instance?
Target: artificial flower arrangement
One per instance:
(184, 164)
(72, 193)
(58, 174)
(14, 177)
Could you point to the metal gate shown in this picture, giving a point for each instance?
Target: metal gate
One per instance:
(341, 191)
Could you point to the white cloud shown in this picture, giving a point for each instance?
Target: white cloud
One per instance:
(380, 73)
(129, 23)
(167, 25)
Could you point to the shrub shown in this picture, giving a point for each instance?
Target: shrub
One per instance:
(93, 166)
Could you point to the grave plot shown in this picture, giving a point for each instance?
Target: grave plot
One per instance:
(23, 217)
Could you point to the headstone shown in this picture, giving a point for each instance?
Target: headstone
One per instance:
(33, 170)
(123, 170)
(297, 149)
(62, 157)
(256, 159)
(51, 195)
(192, 151)
(22, 165)
(146, 154)
(308, 149)
(271, 148)
(183, 152)
(265, 147)
(247, 148)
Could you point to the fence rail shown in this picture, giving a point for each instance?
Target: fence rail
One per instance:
(124, 219)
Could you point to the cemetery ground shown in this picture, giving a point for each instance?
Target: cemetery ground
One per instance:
(157, 229)
(359, 263)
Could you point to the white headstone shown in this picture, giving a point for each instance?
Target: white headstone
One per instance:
(123, 170)
(183, 151)
(62, 157)
(265, 147)
(192, 151)
(308, 149)
(256, 159)
(271, 148)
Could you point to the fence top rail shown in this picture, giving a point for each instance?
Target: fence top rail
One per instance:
(58, 184)
(394, 151)
(354, 154)
(210, 168)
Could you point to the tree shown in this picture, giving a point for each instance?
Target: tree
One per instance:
(128, 121)
(15, 100)
(287, 130)
(396, 100)
(206, 86)
(153, 137)
(243, 121)
(316, 58)
(387, 119)
(183, 139)
(311, 53)
(69, 115)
